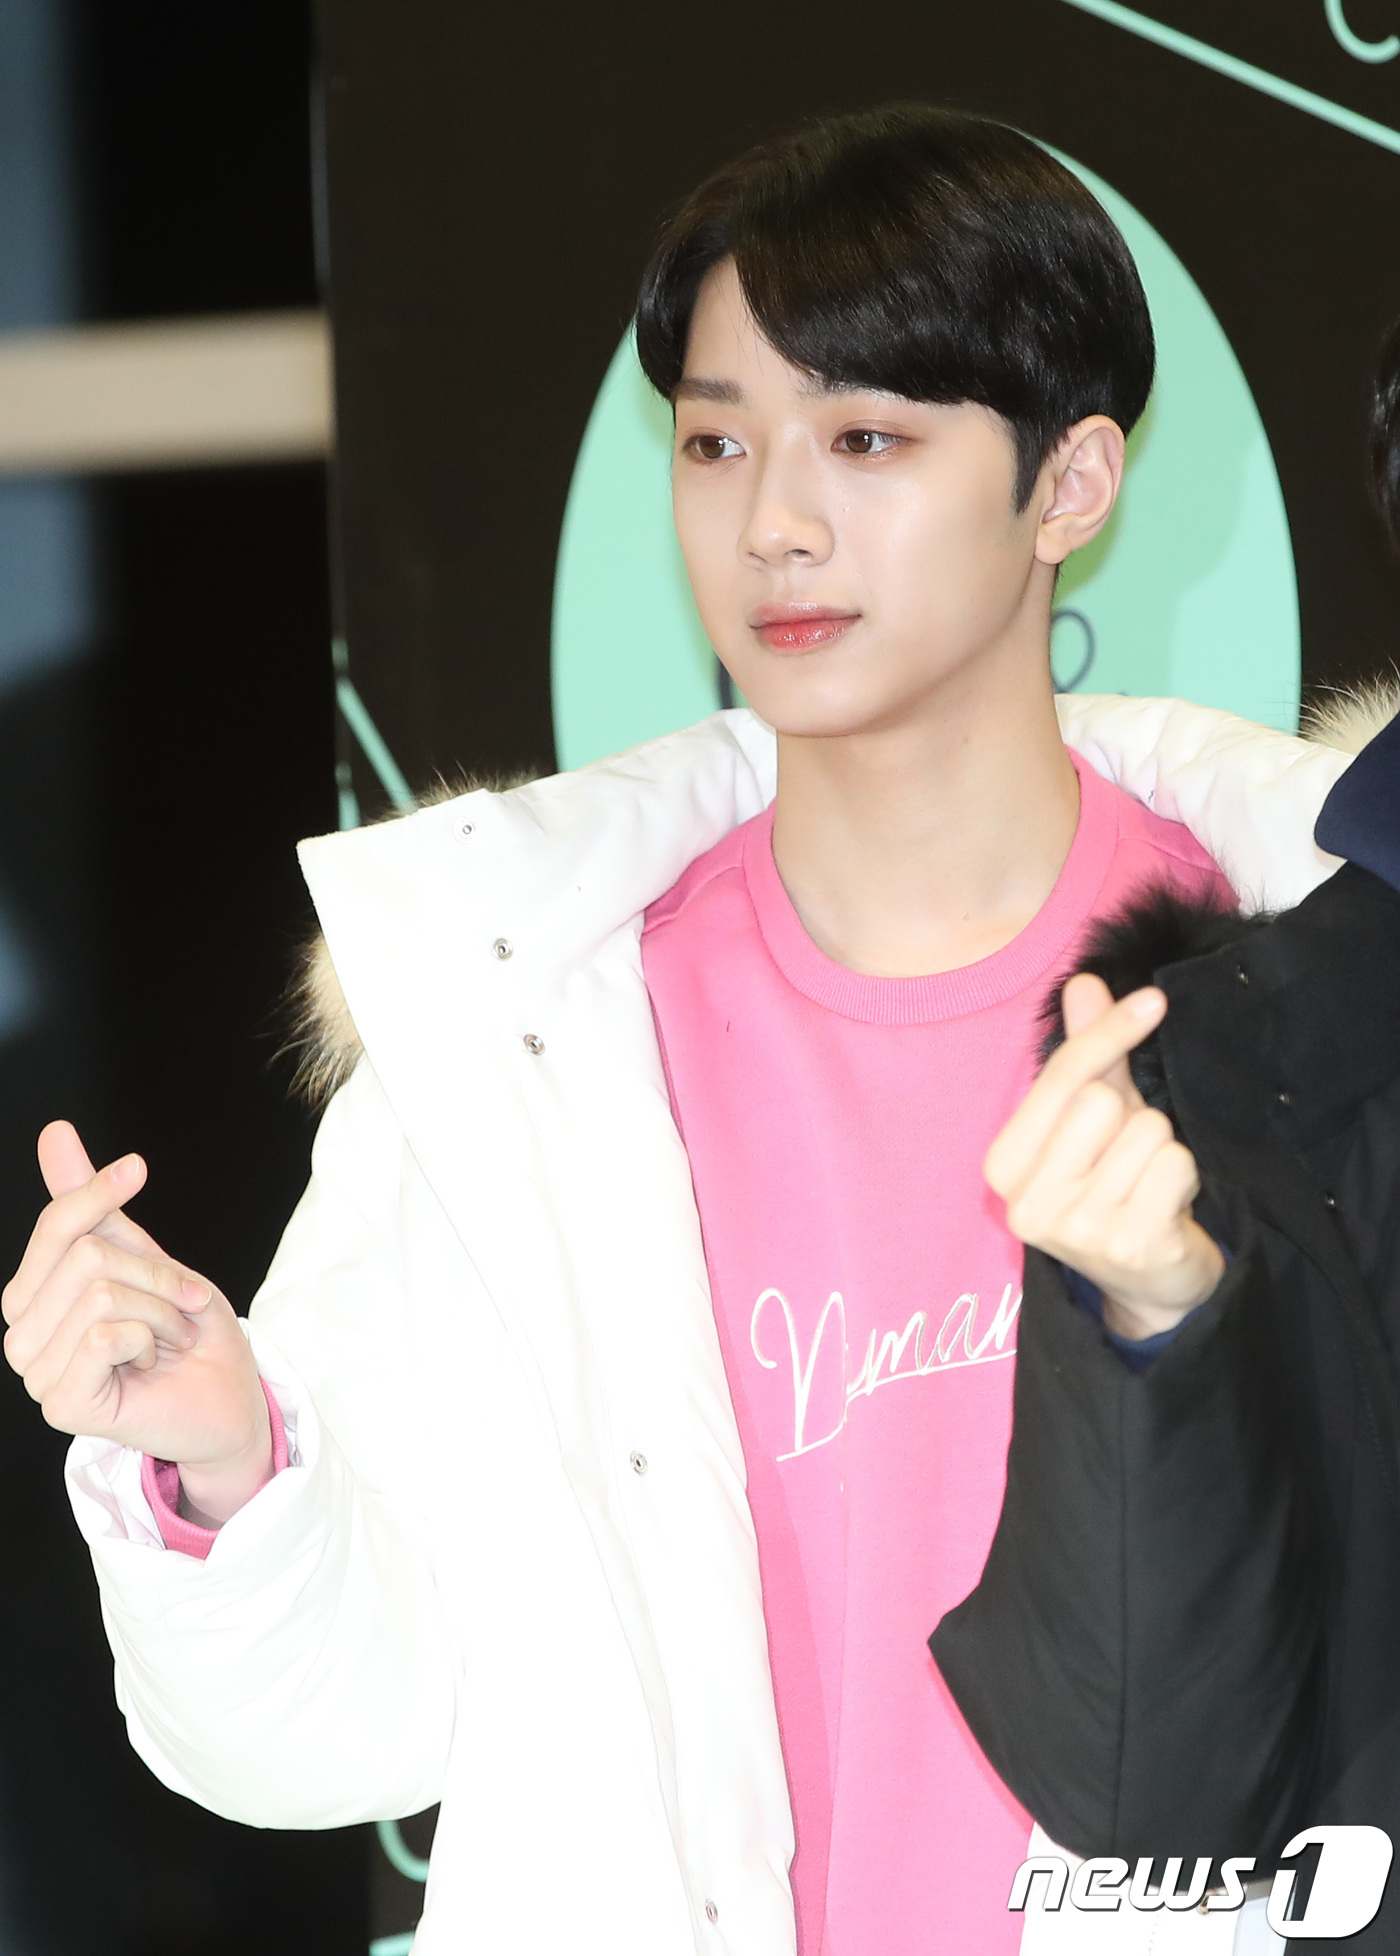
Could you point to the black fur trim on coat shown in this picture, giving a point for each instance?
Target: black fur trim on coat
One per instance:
(1157, 929)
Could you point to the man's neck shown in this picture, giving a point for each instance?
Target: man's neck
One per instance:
(924, 846)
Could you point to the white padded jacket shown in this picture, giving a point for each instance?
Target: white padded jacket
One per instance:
(491, 1299)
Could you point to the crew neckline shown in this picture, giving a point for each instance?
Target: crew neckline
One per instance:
(940, 994)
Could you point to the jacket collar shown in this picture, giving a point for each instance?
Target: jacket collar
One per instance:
(582, 854)
(586, 851)
(577, 856)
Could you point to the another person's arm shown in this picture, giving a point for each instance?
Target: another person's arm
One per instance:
(1139, 1657)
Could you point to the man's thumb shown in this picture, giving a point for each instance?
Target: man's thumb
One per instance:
(1084, 1001)
(63, 1160)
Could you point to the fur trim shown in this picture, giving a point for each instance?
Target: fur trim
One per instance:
(1127, 951)
(321, 1033)
(1349, 721)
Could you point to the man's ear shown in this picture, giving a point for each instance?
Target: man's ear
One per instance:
(1085, 473)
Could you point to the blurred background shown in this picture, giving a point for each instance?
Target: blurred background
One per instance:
(210, 646)
(165, 735)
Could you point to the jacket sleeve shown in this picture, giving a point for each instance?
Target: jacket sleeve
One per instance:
(301, 1675)
(1139, 1660)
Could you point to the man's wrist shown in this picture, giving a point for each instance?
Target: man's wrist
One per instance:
(1136, 1320)
(211, 1492)
(1135, 1317)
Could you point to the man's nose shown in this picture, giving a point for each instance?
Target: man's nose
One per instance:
(786, 521)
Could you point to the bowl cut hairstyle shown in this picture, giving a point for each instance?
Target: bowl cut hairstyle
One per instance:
(919, 252)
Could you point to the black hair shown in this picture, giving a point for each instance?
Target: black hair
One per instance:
(921, 252)
(1385, 434)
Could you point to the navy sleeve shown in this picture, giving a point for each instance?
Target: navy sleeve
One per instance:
(1136, 1353)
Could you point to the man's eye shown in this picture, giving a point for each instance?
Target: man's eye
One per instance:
(866, 441)
(713, 448)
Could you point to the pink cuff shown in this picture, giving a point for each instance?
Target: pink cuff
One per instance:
(160, 1483)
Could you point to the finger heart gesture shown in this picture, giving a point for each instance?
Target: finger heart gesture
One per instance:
(1097, 1179)
(116, 1339)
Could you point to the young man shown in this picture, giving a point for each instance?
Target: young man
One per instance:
(631, 1394)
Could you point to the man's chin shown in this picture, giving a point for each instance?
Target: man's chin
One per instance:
(807, 712)
(830, 723)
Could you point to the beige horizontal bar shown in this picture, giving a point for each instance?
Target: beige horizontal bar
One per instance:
(251, 387)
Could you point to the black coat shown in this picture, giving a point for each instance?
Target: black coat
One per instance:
(1187, 1635)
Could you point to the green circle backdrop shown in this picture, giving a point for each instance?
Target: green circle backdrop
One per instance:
(1190, 591)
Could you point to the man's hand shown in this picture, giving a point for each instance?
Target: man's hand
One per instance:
(115, 1339)
(1094, 1177)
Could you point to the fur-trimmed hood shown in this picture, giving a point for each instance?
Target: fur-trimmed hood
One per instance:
(327, 1046)
(1349, 721)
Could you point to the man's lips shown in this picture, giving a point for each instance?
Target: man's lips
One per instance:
(800, 627)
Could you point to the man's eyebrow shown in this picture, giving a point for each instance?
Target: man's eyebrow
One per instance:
(724, 393)
(728, 393)
(818, 388)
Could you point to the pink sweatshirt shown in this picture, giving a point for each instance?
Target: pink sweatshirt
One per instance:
(836, 1126)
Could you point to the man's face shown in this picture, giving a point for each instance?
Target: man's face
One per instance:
(851, 553)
